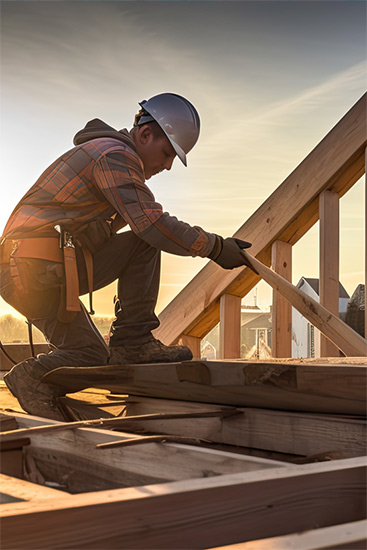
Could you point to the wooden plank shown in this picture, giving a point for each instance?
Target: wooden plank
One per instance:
(336, 163)
(347, 536)
(281, 262)
(7, 422)
(14, 489)
(274, 385)
(347, 340)
(270, 430)
(71, 458)
(329, 262)
(196, 513)
(230, 327)
(193, 343)
(15, 438)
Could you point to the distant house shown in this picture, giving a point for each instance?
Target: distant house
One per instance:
(355, 311)
(255, 335)
(305, 337)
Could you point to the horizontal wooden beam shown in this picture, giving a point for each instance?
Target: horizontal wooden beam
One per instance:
(14, 489)
(339, 389)
(66, 457)
(336, 164)
(288, 432)
(194, 513)
(347, 536)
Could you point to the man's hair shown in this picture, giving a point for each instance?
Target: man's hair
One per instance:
(155, 128)
(153, 125)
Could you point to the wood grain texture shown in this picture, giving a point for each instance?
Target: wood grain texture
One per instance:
(281, 262)
(14, 489)
(347, 536)
(71, 458)
(319, 388)
(365, 244)
(193, 514)
(343, 336)
(329, 262)
(230, 327)
(12, 438)
(279, 431)
(336, 164)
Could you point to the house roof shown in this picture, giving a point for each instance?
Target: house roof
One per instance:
(314, 284)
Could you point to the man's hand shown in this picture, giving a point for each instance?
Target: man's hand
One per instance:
(230, 254)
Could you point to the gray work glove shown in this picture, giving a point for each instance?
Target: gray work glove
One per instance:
(227, 253)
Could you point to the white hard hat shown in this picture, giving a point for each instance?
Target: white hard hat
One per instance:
(177, 117)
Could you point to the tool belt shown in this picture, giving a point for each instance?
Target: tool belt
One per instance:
(58, 249)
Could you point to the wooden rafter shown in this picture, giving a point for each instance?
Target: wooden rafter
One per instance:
(336, 164)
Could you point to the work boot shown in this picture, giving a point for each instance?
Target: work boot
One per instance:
(150, 352)
(35, 398)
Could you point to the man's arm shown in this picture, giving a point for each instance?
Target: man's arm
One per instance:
(120, 177)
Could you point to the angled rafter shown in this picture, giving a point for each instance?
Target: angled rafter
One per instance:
(336, 164)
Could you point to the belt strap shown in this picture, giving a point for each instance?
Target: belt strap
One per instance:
(88, 258)
(72, 279)
(38, 248)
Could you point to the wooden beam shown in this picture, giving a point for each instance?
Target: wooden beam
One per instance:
(67, 456)
(336, 164)
(191, 342)
(338, 389)
(14, 489)
(365, 247)
(329, 262)
(14, 436)
(230, 327)
(347, 536)
(281, 262)
(287, 432)
(194, 513)
(347, 340)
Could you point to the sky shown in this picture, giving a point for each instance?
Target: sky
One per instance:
(269, 79)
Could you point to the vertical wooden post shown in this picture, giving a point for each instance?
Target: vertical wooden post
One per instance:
(329, 262)
(192, 342)
(281, 263)
(365, 251)
(230, 327)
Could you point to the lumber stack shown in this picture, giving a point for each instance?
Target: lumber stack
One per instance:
(312, 409)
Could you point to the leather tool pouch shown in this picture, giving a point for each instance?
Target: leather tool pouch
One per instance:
(48, 248)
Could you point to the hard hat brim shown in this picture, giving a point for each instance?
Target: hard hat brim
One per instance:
(179, 152)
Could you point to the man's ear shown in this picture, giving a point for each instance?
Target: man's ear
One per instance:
(145, 134)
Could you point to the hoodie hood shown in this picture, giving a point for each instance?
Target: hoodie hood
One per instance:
(96, 128)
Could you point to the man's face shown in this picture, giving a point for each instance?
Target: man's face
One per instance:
(156, 153)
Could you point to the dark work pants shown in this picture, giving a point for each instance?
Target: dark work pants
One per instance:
(127, 258)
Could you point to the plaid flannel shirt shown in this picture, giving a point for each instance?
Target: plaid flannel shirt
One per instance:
(92, 183)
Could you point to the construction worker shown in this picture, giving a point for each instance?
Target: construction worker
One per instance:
(61, 241)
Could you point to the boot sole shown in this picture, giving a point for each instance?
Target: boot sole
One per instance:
(24, 403)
